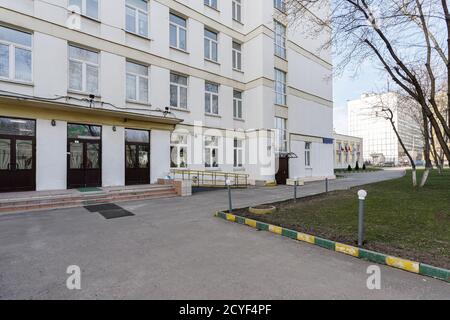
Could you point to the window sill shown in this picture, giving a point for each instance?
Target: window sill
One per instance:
(19, 82)
(280, 105)
(137, 35)
(179, 50)
(147, 104)
(282, 58)
(212, 61)
(237, 70)
(213, 115)
(180, 109)
(89, 18)
(212, 169)
(212, 8)
(239, 119)
(237, 21)
(239, 169)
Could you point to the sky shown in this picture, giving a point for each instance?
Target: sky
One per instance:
(350, 86)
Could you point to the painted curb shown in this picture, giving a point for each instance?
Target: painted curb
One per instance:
(395, 262)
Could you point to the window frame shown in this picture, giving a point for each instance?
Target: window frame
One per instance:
(210, 147)
(12, 46)
(308, 148)
(178, 147)
(83, 70)
(179, 86)
(238, 105)
(136, 18)
(279, 46)
(281, 135)
(236, 10)
(138, 82)
(213, 43)
(236, 56)
(211, 95)
(282, 83)
(238, 151)
(178, 28)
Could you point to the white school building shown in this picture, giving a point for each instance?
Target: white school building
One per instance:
(111, 93)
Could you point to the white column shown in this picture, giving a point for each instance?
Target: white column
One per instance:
(113, 156)
(159, 154)
(51, 155)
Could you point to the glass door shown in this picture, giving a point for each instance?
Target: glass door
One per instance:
(137, 157)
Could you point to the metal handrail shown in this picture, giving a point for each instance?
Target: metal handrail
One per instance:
(198, 177)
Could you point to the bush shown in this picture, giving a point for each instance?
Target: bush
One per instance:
(364, 166)
(349, 168)
(357, 166)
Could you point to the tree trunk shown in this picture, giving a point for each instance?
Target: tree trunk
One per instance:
(426, 151)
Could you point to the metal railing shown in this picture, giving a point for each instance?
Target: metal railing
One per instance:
(203, 178)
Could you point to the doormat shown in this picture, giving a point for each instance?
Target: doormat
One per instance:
(89, 189)
(109, 210)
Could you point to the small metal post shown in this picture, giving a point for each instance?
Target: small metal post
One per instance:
(362, 194)
(230, 205)
(295, 190)
(326, 185)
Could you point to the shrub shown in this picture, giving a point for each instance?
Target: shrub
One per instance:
(364, 166)
(357, 166)
(349, 168)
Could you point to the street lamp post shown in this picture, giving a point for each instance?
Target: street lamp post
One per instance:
(230, 205)
(362, 194)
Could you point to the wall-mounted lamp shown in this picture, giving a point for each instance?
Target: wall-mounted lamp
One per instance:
(114, 128)
(53, 123)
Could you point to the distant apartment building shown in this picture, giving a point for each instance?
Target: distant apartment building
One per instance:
(381, 146)
(112, 93)
(348, 151)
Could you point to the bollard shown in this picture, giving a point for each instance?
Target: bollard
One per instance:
(326, 185)
(230, 205)
(295, 190)
(362, 194)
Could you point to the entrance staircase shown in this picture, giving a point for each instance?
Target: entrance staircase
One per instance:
(42, 200)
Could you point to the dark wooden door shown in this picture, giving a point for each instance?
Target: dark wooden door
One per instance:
(84, 163)
(17, 163)
(137, 163)
(283, 170)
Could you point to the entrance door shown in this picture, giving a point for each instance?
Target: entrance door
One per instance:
(83, 156)
(137, 157)
(283, 170)
(17, 155)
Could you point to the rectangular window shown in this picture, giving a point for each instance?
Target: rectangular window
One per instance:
(15, 54)
(87, 8)
(280, 87)
(237, 104)
(280, 39)
(178, 32)
(308, 154)
(211, 45)
(280, 135)
(280, 5)
(137, 82)
(211, 152)
(178, 150)
(211, 3)
(211, 98)
(237, 10)
(83, 70)
(238, 154)
(178, 91)
(136, 17)
(237, 56)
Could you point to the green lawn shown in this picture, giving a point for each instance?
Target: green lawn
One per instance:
(401, 220)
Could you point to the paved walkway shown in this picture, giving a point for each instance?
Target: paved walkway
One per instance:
(175, 249)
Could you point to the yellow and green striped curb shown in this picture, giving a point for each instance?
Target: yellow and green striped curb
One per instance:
(403, 264)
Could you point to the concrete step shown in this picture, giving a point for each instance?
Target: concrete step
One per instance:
(88, 199)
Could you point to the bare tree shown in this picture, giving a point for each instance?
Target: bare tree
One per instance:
(405, 37)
